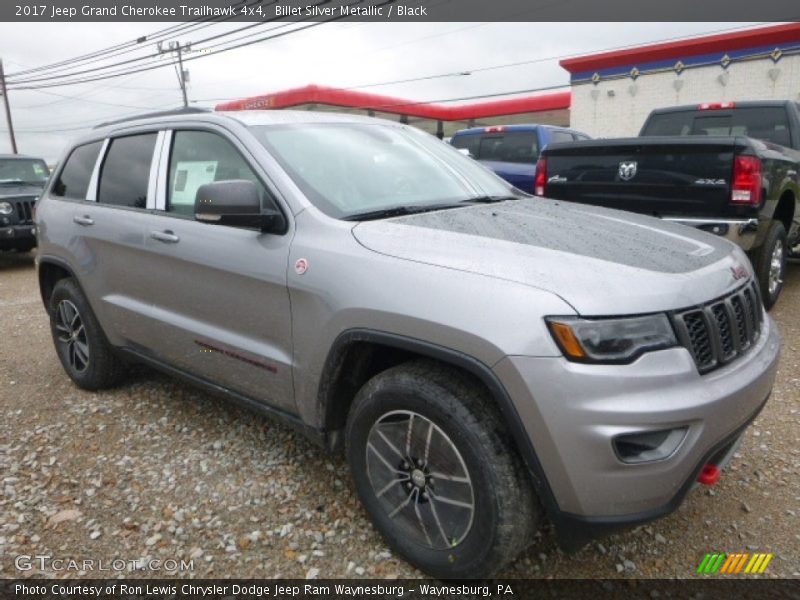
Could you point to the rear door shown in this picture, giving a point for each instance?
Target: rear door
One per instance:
(663, 177)
(108, 230)
(219, 293)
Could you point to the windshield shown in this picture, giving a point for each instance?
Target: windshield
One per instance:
(347, 169)
(20, 170)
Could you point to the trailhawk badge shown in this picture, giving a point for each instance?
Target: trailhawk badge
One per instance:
(627, 170)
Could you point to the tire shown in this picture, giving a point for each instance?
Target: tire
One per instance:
(469, 460)
(769, 262)
(82, 348)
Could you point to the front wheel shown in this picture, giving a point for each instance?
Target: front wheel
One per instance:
(434, 469)
(770, 264)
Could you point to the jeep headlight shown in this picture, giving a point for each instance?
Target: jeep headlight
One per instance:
(6, 208)
(611, 340)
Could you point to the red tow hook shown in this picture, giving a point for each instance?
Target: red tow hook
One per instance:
(709, 474)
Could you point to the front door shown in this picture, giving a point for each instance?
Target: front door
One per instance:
(220, 302)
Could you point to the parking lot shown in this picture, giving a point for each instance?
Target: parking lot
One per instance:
(159, 471)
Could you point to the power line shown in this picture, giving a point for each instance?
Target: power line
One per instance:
(126, 48)
(197, 57)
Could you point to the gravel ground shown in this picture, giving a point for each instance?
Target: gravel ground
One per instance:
(158, 470)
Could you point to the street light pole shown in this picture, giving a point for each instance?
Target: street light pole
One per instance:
(176, 47)
(4, 92)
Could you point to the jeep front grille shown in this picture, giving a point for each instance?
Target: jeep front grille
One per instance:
(718, 332)
(25, 211)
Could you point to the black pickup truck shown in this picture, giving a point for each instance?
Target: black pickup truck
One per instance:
(22, 180)
(727, 168)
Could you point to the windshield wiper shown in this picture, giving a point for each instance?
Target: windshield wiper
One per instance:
(399, 211)
(490, 199)
(14, 181)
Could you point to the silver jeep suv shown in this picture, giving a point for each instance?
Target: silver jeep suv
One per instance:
(486, 359)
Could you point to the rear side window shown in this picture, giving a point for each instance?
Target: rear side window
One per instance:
(125, 175)
(511, 146)
(770, 124)
(561, 136)
(73, 182)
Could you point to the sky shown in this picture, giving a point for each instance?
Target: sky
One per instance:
(335, 54)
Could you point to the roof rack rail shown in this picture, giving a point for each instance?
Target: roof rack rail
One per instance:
(187, 110)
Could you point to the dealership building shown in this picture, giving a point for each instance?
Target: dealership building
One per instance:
(610, 93)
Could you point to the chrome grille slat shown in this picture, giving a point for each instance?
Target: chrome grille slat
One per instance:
(717, 332)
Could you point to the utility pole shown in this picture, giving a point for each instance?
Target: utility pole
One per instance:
(182, 74)
(4, 91)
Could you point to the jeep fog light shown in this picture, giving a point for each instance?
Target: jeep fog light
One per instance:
(647, 446)
(611, 340)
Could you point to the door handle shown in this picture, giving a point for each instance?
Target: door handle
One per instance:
(165, 236)
(85, 220)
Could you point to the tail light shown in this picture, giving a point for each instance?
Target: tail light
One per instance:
(746, 188)
(715, 105)
(540, 179)
(494, 129)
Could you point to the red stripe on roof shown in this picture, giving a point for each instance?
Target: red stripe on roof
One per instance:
(315, 94)
(723, 42)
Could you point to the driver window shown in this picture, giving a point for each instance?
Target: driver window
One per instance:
(200, 157)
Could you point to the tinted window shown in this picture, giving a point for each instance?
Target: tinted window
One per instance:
(561, 136)
(200, 157)
(73, 182)
(511, 146)
(126, 171)
(468, 141)
(768, 123)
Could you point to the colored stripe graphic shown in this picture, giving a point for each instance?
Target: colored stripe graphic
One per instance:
(733, 563)
(701, 567)
(729, 563)
(741, 562)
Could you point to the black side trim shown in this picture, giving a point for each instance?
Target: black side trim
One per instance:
(315, 435)
(574, 531)
(471, 365)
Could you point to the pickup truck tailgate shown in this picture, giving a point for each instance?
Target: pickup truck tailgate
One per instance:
(654, 176)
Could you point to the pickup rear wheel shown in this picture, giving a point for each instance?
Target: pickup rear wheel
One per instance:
(770, 264)
(82, 348)
(434, 469)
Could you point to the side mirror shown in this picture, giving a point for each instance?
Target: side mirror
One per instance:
(236, 202)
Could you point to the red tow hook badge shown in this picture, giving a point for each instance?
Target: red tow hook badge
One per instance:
(709, 474)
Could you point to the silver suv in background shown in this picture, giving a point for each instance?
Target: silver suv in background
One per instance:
(485, 359)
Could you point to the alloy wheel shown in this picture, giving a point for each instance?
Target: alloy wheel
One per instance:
(776, 268)
(420, 479)
(72, 335)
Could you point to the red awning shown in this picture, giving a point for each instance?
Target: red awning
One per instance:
(315, 94)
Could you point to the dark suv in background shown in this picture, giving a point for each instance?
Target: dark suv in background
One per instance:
(22, 179)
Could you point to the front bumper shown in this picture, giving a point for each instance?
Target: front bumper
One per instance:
(571, 412)
(14, 236)
(742, 232)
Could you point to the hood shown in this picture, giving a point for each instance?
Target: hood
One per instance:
(17, 190)
(601, 261)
